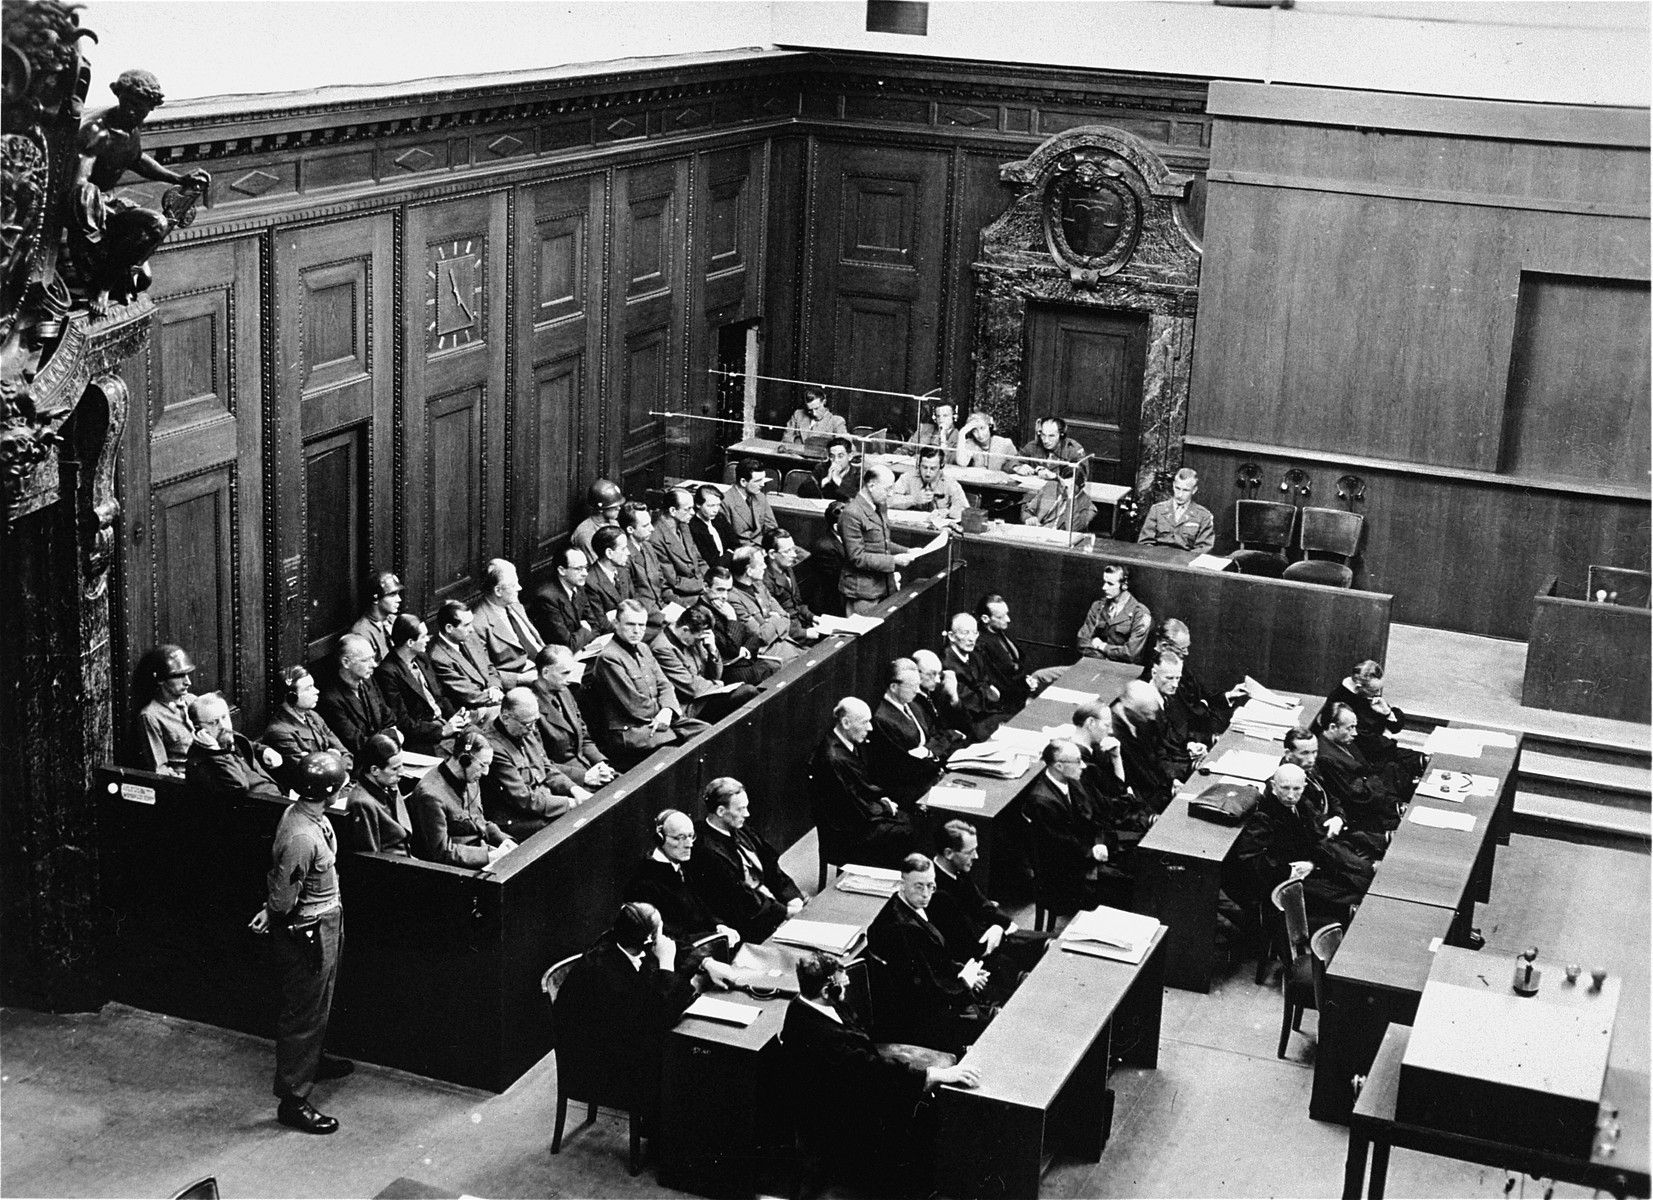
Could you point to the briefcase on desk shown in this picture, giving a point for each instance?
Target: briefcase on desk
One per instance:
(1225, 803)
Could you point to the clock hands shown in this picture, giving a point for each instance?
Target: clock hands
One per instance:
(453, 282)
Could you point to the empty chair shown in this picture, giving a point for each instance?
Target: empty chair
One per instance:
(1263, 529)
(834, 844)
(569, 1084)
(1297, 984)
(1332, 532)
(1322, 946)
(801, 483)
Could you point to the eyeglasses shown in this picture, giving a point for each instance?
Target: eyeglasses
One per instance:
(680, 838)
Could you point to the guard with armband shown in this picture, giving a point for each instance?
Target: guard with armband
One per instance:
(303, 918)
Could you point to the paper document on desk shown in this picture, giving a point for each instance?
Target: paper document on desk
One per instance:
(1012, 766)
(1211, 562)
(1456, 786)
(1024, 741)
(721, 689)
(1254, 766)
(952, 796)
(868, 881)
(1064, 695)
(1266, 720)
(850, 625)
(1492, 737)
(1262, 695)
(1110, 933)
(1439, 818)
(723, 1010)
(595, 646)
(671, 612)
(833, 936)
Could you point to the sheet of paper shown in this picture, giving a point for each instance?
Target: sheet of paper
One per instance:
(951, 796)
(1456, 786)
(671, 612)
(1462, 743)
(723, 1010)
(578, 669)
(1492, 737)
(595, 646)
(931, 546)
(980, 752)
(1064, 695)
(1013, 767)
(1439, 818)
(720, 689)
(1254, 766)
(1210, 562)
(849, 625)
(1030, 741)
(819, 935)
(1057, 733)
(1110, 933)
(1258, 692)
(1262, 713)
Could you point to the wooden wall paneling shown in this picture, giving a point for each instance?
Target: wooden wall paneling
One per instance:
(1456, 551)
(877, 276)
(335, 299)
(560, 282)
(784, 275)
(979, 198)
(1588, 658)
(648, 285)
(456, 333)
(191, 478)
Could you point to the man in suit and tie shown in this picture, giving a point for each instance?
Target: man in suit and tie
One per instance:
(568, 742)
(685, 567)
(295, 730)
(971, 924)
(852, 807)
(1137, 714)
(901, 747)
(609, 580)
(740, 639)
(384, 602)
(1002, 657)
(746, 507)
(1117, 806)
(639, 709)
(502, 625)
(871, 560)
(562, 610)
(351, 704)
(1074, 850)
(662, 879)
(736, 872)
(980, 699)
(378, 818)
(426, 716)
(1206, 713)
(1363, 792)
(650, 576)
(712, 533)
(463, 671)
(781, 554)
(925, 996)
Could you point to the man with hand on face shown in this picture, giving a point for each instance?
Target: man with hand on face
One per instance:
(295, 730)
(221, 762)
(735, 872)
(523, 792)
(839, 477)
(849, 800)
(739, 639)
(385, 602)
(640, 711)
(562, 608)
(927, 489)
(563, 732)
(1117, 626)
(938, 695)
(1377, 723)
(687, 652)
(662, 880)
(502, 627)
(926, 997)
(1179, 521)
(941, 431)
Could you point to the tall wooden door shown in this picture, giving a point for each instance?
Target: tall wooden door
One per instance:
(334, 445)
(192, 477)
(1085, 365)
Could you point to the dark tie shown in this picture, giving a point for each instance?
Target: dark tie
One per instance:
(418, 674)
(525, 632)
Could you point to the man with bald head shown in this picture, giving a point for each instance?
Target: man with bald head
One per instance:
(982, 701)
(351, 703)
(222, 763)
(871, 561)
(1285, 837)
(850, 804)
(524, 791)
(1138, 723)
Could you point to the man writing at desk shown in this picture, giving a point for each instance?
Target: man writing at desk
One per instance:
(1179, 521)
(1050, 448)
(814, 419)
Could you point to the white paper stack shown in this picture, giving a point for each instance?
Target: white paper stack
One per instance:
(989, 758)
(1463, 743)
(726, 1011)
(1064, 695)
(1268, 722)
(833, 936)
(849, 625)
(948, 796)
(1439, 818)
(1210, 562)
(1254, 766)
(1021, 741)
(1110, 933)
(868, 881)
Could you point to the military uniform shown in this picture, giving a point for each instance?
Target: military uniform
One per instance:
(307, 922)
(1123, 629)
(1191, 529)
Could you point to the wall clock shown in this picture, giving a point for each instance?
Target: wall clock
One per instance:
(453, 303)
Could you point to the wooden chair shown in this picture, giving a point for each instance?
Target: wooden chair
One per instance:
(551, 983)
(1044, 912)
(801, 483)
(1263, 529)
(1297, 984)
(1332, 532)
(1322, 946)
(834, 847)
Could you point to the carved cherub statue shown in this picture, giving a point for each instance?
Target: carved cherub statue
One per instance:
(111, 238)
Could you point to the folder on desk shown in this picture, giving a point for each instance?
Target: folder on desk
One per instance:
(948, 796)
(1110, 933)
(835, 937)
(726, 1011)
(868, 881)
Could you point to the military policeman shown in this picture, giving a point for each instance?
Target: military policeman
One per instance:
(305, 918)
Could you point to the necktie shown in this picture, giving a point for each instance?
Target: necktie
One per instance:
(526, 633)
(418, 674)
(753, 868)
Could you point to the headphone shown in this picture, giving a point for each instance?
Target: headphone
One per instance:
(666, 814)
(467, 746)
(290, 678)
(1124, 574)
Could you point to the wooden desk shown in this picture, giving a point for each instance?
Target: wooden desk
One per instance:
(1044, 1065)
(1584, 657)
(1372, 1125)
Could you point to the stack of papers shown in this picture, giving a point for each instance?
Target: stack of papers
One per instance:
(1269, 722)
(1064, 695)
(1021, 741)
(1110, 933)
(849, 625)
(989, 758)
(1455, 785)
(723, 1010)
(947, 796)
(1210, 562)
(869, 881)
(1253, 765)
(595, 646)
(1466, 743)
(832, 936)
(1439, 818)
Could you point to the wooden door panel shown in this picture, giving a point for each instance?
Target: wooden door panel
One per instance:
(873, 340)
(557, 389)
(335, 493)
(453, 500)
(192, 575)
(1085, 366)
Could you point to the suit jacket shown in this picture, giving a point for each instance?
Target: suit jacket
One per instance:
(399, 683)
(509, 649)
(448, 822)
(234, 774)
(1142, 752)
(522, 788)
(378, 635)
(612, 1020)
(378, 820)
(1064, 831)
(893, 734)
(564, 619)
(692, 669)
(1196, 531)
(857, 1103)
(918, 986)
(356, 714)
(1204, 713)
(1357, 788)
(761, 610)
(708, 546)
(734, 634)
(782, 583)
(718, 873)
(1124, 632)
(1067, 451)
(650, 578)
(1001, 665)
(868, 570)
(1373, 731)
(684, 565)
(563, 731)
(293, 734)
(749, 516)
(463, 672)
(800, 426)
(849, 806)
(1048, 507)
(963, 914)
(1274, 837)
(631, 687)
(1128, 816)
(603, 595)
(949, 723)
(664, 885)
(974, 679)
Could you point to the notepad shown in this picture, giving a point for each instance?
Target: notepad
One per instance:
(723, 1010)
(1064, 695)
(948, 796)
(832, 936)
(1439, 818)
